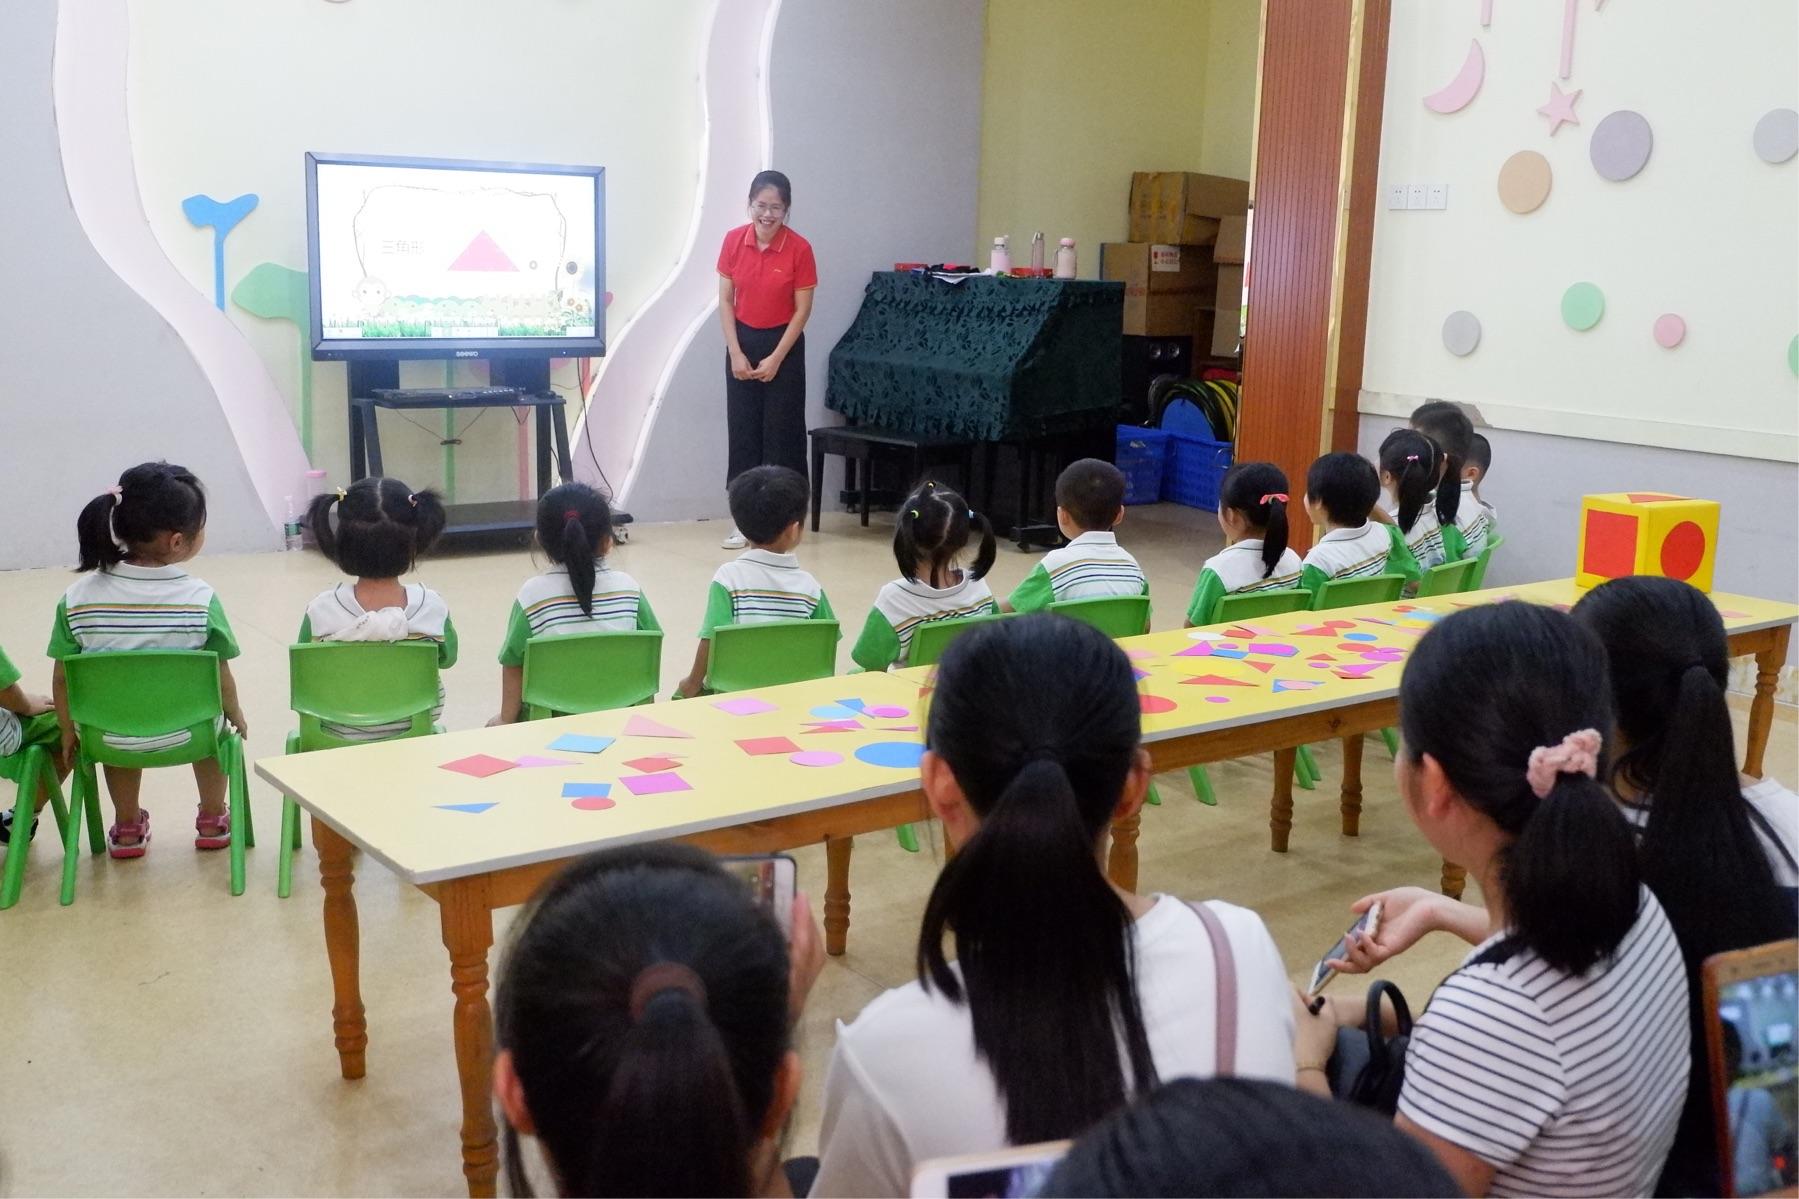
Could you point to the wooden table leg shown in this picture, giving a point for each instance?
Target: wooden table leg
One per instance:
(468, 934)
(1761, 710)
(837, 893)
(1352, 785)
(1280, 805)
(343, 946)
(1454, 879)
(1121, 863)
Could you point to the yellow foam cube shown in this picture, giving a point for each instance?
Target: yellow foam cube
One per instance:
(1646, 533)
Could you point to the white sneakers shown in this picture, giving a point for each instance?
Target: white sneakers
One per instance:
(733, 540)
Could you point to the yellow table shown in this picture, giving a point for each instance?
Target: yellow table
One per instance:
(387, 798)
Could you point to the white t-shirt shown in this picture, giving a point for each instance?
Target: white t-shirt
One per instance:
(905, 604)
(1566, 1084)
(1779, 809)
(1347, 554)
(335, 614)
(1092, 566)
(1474, 519)
(905, 1084)
(1425, 538)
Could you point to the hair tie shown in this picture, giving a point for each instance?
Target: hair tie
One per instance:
(914, 513)
(342, 495)
(117, 493)
(412, 499)
(1273, 495)
(655, 979)
(971, 514)
(571, 514)
(1577, 754)
(1411, 457)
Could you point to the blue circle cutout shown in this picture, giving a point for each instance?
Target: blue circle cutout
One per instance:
(901, 755)
(835, 712)
(1359, 637)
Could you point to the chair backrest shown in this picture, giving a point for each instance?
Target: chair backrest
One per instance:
(1449, 578)
(929, 640)
(1247, 605)
(1478, 577)
(1347, 593)
(567, 673)
(145, 693)
(771, 652)
(1113, 615)
(360, 683)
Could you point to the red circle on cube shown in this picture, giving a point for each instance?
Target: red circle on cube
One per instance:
(1683, 550)
(1155, 703)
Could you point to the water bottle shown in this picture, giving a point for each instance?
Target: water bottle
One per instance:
(1001, 261)
(1037, 252)
(290, 531)
(1065, 258)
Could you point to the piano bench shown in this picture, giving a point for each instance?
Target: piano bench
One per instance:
(862, 444)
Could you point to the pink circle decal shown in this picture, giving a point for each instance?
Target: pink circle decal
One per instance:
(1670, 330)
(1218, 699)
(592, 803)
(815, 757)
(886, 712)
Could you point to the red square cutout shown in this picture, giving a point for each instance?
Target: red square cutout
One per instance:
(1611, 544)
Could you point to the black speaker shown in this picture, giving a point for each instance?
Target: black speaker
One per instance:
(1144, 359)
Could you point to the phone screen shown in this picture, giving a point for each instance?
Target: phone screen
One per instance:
(1013, 1182)
(769, 879)
(1756, 1017)
(1368, 922)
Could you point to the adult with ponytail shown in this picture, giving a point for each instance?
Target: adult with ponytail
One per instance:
(1554, 1060)
(1718, 850)
(1465, 522)
(580, 593)
(643, 1028)
(1068, 995)
(1252, 512)
(1408, 474)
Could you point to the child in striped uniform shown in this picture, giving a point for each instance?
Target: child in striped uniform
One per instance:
(932, 532)
(27, 719)
(1466, 525)
(765, 582)
(1341, 490)
(133, 594)
(376, 530)
(1089, 505)
(1408, 472)
(579, 594)
(1252, 511)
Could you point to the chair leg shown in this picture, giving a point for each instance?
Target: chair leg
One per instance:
(290, 831)
(1305, 768)
(1154, 797)
(908, 838)
(83, 798)
(1391, 739)
(19, 848)
(240, 831)
(1202, 786)
(96, 827)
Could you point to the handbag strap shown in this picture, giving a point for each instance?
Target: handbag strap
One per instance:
(1225, 964)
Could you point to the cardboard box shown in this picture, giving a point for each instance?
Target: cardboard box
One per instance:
(1229, 293)
(1215, 333)
(1165, 287)
(1232, 244)
(1182, 207)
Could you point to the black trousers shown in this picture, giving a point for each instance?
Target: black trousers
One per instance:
(766, 421)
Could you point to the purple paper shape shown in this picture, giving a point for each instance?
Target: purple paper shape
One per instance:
(655, 784)
(815, 757)
(887, 712)
(1274, 649)
(744, 705)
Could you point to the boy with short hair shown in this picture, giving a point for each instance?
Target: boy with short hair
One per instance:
(765, 582)
(1341, 491)
(1089, 505)
(1480, 461)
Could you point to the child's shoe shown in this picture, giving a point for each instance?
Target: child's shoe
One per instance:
(212, 832)
(139, 829)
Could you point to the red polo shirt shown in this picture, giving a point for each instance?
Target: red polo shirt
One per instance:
(766, 279)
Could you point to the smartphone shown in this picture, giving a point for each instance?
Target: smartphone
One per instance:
(770, 880)
(1750, 1006)
(1368, 922)
(1007, 1174)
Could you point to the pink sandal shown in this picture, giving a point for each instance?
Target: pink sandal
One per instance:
(212, 832)
(140, 829)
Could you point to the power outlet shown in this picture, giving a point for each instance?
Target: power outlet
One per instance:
(1437, 196)
(1396, 197)
(1417, 195)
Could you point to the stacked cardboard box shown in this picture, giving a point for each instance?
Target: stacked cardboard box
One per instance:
(1183, 267)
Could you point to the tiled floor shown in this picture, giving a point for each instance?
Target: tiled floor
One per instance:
(160, 1037)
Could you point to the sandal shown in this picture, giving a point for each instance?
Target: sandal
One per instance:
(212, 832)
(139, 829)
(6, 825)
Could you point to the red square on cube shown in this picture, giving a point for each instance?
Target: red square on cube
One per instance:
(1611, 544)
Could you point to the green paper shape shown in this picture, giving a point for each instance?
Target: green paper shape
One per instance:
(1582, 306)
(1793, 355)
(279, 293)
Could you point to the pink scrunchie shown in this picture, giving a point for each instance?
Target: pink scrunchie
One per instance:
(1577, 754)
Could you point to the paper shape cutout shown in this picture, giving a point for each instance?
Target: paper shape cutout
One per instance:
(279, 293)
(1281, 685)
(1319, 665)
(529, 760)
(1151, 704)
(1218, 699)
(652, 765)
(593, 803)
(654, 784)
(1620, 145)
(1384, 654)
(815, 757)
(581, 790)
(1776, 136)
(478, 765)
(744, 705)
(483, 253)
(900, 728)
(221, 216)
(1220, 651)
(1264, 667)
(1567, 65)
(580, 743)
(1358, 637)
(854, 705)
(1582, 306)
(887, 712)
(1669, 330)
(1356, 672)
(901, 755)
(835, 726)
(1204, 635)
(470, 808)
(1461, 333)
(1322, 658)
(1247, 632)
(836, 712)
(1215, 680)
(1200, 649)
(1139, 675)
(1274, 649)
(643, 726)
(758, 746)
(1138, 655)
(1559, 108)
(1459, 92)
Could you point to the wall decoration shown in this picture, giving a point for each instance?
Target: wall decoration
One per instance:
(278, 293)
(1486, 13)
(221, 216)
(1568, 7)
(1461, 333)
(1620, 145)
(1582, 306)
(1458, 92)
(1670, 330)
(1524, 181)
(1777, 136)
(1560, 108)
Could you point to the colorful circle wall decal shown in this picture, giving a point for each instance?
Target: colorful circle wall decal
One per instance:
(1670, 330)
(1524, 182)
(1582, 306)
(1461, 333)
(1620, 145)
(1777, 136)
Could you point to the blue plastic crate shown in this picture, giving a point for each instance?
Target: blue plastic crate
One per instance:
(1142, 455)
(1196, 467)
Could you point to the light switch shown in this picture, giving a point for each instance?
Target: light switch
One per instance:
(1417, 195)
(1438, 197)
(1396, 197)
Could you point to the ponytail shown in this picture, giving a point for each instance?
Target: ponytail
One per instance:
(574, 527)
(1258, 490)
(1571, 877)
(318, 519)
(93, 528)
(1411, 458)
(1043, 765)
(1274, 537)
(933, 528)
(382, 526)
(149, 500)
(1450, 430)
(989, 548)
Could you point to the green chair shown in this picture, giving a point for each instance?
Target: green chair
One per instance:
(770, 653)
(147, 693)
(1247, 605)
(32, 769)
(591, 672)
(930, 639)
(352, 682)
(1451, 578)
(1115, 616)
(1347, 593)
(1478, 578)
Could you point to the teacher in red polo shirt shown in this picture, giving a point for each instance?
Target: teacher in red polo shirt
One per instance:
(766, 276)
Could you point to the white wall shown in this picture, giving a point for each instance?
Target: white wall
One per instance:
(877, 122)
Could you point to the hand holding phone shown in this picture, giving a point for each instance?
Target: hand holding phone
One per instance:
(1366, 925)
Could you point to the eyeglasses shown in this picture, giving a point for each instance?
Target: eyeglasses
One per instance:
(768, 209)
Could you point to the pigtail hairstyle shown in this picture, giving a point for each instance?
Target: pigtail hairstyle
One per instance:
(150, 499)
(1450, 430)
(1570, 872)
(1410, 457)
(574, 527)
(1043, 764)
(382, 527)
(1259, 491)
(644, 1002)
(932, 530)
(1699, 849)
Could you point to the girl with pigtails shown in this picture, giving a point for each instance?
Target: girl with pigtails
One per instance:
(930, 538)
